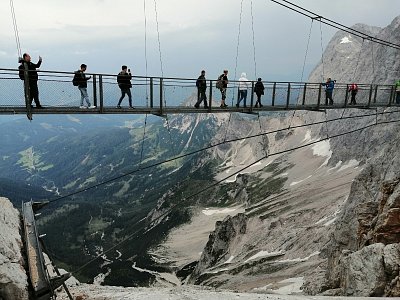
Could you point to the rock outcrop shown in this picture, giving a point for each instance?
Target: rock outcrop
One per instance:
(13, 279)
(220, 240)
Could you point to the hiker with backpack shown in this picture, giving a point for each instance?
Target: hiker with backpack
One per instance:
(124, 82)
(32, 77)
(329, 86)
(201, 85)
(259, 90)
(222, 85)
(353, 89)
(80, 80)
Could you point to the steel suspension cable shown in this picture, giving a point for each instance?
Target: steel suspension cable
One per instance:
(306, 54)
(145, 50)
(162, 75)
(322, 53)
(254, 43)
(16, 34)
(336, 25)
(237, 47)
(143, 139)
(210, 147)
(161, 216)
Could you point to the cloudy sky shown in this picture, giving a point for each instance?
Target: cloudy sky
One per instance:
(194, 35)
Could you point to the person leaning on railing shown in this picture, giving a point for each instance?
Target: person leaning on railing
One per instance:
(329, 86)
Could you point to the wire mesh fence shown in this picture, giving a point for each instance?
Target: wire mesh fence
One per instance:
(57, 91)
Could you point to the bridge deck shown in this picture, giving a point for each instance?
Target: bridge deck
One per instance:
(178, 110)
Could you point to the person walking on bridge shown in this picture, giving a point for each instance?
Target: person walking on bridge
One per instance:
(353, 89)
(329, 86)
(81, 80)
(201, 84)
(124, 82)
(32, 77)
(244, 84)
(222, 85)
(397, 86)
(259, 90)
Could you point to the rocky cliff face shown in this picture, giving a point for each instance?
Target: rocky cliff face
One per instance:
(363, 253)
(333, 224)
(13, 279)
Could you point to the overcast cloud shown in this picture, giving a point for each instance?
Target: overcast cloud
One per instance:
(194, 35)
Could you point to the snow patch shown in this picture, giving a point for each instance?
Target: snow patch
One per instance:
(345, 40)
(210, 212)
(263, 254)
(300, 259)
(99, 279)
(297, 182)
(351, 164)
(229, 260)
(323, 149)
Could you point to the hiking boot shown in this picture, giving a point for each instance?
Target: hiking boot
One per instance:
(196, 105)
(237, 105)
(205, 107)
(131, 107)
(118, 106)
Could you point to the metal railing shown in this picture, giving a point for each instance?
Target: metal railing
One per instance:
(42, 284)
(160, 95)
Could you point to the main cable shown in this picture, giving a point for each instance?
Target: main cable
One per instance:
(210, 147)
(160, 217)
(336, 24)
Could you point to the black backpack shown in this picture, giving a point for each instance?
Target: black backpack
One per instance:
(77, 79)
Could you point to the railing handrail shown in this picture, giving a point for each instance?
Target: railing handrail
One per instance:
(194, 79)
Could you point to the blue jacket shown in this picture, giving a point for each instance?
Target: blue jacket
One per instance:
(329, 85)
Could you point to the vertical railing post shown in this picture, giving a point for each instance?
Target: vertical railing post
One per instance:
(288, 96)
(304, 94)
(151, 93)
(101, 93)
(346, 99)
(391, 98)
(273, 94)
(161, 96)
(28, 103)
(210, 97)
(252, 96)
(375, 93)
(371, 89)
(319, 96)
(94, 90)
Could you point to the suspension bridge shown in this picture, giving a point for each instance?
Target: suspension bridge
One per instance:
(162, 96)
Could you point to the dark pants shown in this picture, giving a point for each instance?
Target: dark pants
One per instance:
(34, 93)
(123, 93)
(397, 97)
(223, 93)
(258, 102)
(242, 96)
(201, 96)
(353, 97)
(328, 95)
